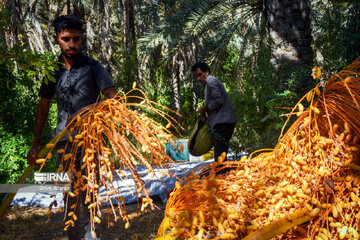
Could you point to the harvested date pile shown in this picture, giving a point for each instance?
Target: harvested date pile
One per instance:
(306, 188)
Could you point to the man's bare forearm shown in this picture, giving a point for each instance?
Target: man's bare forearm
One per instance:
(41, 117)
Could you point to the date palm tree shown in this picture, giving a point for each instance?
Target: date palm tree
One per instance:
(211, 24)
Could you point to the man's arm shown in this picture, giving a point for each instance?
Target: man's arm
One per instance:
(217, 98)
(41, 116)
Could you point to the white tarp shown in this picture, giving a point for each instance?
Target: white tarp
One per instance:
(159, 185)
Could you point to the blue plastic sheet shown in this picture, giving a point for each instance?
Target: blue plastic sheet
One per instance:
(173, 150)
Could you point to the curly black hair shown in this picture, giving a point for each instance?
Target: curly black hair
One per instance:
(202, 65)
(67, 22)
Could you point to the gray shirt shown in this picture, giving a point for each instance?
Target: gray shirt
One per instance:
(76, 88)
(218, 102)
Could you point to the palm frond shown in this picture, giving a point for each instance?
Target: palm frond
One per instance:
(211, 25)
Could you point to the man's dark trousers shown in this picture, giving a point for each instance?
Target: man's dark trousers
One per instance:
(222, 135)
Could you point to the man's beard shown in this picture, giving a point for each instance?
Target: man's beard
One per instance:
(71, 56)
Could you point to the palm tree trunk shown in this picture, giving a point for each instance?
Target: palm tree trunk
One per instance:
(68, 7)
(236, 77)
(38, 40)
(105, 35)
(289, 23)
(89, 29)
(58, 8)
(129, 25)
(149, 63)
(129, 41)
(11, 34)
(175, 81)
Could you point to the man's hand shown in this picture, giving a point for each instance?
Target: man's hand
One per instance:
(41, 115)
(69, 119)
(203, 110)
(81, 112)
(74, 115)
(32, 154)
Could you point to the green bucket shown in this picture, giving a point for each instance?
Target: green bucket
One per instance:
(201, 139)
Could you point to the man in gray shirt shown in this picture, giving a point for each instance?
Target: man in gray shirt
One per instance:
(220, 113)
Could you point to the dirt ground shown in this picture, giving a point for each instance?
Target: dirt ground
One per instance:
(28, 223)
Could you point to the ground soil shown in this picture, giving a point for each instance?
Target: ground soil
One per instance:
(27, 223)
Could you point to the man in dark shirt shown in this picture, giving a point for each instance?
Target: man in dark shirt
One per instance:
(220, 113)
(79, 83)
